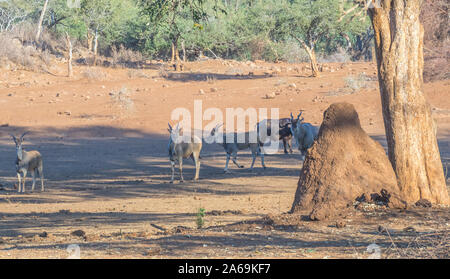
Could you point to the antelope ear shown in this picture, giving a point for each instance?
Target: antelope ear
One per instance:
(170, 127)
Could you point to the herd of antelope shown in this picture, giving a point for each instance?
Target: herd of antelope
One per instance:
(304, 134)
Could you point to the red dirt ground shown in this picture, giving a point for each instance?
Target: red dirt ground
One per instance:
(107, 170)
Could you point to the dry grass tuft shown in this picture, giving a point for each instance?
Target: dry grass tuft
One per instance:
(94, 74)
(122, 98)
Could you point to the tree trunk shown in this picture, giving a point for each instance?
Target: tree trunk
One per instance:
(314, 66)
(69, 60)
(89, 39)
(95, 47)
(184, 51)
(172, 60)
(41, 19)
(410, 129)
(312, 56)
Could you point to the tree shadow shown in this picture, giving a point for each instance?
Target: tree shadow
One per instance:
(102, 162)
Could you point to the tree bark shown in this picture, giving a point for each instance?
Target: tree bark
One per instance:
(312, 56)
(95, 47)
(69, 60)
(410, 128)
(89, 39)
(184, 51)
(314, 66)
(41, 19)
(172, 59)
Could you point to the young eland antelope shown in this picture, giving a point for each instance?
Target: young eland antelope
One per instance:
(27, 161)
(181, 148)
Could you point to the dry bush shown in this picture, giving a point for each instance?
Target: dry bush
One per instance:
(433, 245)
(234, 71)
(23, 56)
(122, 99)
(435, 19)
(340, 56)
(46, 57)
(94, 74)
(256, 48)
(356, 83)
(162, 72)
(292, 52)
(133, 73)
(125, 57)
(25, 31)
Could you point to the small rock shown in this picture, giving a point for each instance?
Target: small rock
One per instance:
(214, 89)
(423, 203)
(382, 229)
(340, 224)
(201, 92)
(270, 95)
(43, 234)
(409, 229)
(79, 233)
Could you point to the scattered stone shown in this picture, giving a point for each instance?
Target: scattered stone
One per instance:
(340, 224)
(214, 89)
(79, 233)
(201, 92)
(43, 234)
(409, 229)
(423, 203)
(153, 251)
(382, 229)
(270, 95)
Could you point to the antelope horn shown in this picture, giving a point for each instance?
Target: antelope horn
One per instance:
(21, 137)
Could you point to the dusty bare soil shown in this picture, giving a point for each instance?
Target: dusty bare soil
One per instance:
(107, 171)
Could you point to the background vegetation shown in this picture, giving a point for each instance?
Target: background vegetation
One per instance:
(271, 30)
